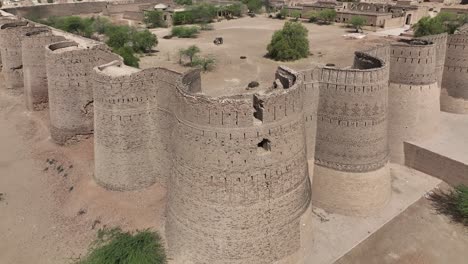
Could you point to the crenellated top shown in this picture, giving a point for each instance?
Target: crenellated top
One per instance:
(178, 93)
(413, 62)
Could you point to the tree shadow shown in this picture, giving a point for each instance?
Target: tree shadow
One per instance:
(445, 202)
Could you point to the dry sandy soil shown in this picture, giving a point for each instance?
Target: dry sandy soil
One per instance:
(51, 208)
(249, 37)
(49, 216)
(417, 236)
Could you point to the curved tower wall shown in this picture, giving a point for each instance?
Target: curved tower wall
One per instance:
(454, 97)
(3, 20)
(414, 95)
(440, 42)
(238, 181)
(239, 184)
(34, 67)
(11, 35)
(132, 130)
(69, 67)
(351, 175)
(311, 88)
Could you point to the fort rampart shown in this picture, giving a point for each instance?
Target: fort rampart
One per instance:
(241, 170)
(34, 67)
(236, 166)
(351, 153)
(414, 104)
(454, 97)
(11, 35)
(69, 65)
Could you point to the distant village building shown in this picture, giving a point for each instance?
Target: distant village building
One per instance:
(384, 15)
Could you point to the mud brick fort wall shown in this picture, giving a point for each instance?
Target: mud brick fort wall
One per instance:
(414, 95)
(240, 170)
(454, 89)
(69, 67)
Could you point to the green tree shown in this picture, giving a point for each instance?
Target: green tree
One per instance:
(235, 9)
(101, 24)
(185, 31)
(144, 41)
(190, 52)
(290, 43)
(114, 246)
(183, 2)
(327, 15)
(72, 24)
(205, 63)
(204, 12)
(282, 14)
(118, 36)
(428, 26)
(128, 55)
(154, 19)
(312, 17)
(182, 18)
(296, 15)
(253, 5)
(443, 22)
(357, 22)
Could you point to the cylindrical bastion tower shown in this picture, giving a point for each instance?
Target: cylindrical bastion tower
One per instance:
(133, 125)
(69, 66)
(239, 185)
(236, 167)
(34, 67)
(351, 158)
(454, 96)
(440, 42)
(11, 36)
(414, 95)
(4, 20)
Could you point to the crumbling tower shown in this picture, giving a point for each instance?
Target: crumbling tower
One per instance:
(69, 65)
(240, 183)
(34, 67)
(454, 97)
(237, 178)
(414, 104)
(11, 35)
(3, 20)
(133, 125)
(351, 174)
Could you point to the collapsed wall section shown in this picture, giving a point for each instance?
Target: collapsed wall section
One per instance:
(351, 175)
(239, 184)
(34, 67)
(414, 96)
(454, 96)
(69, 66)
(11, 35)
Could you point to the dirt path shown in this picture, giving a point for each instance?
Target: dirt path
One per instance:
(417, 236)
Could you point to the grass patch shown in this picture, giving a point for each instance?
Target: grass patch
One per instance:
(452, 203)
(185, 31)
(114, 246)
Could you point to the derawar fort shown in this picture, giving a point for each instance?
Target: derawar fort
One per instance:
(241, 170)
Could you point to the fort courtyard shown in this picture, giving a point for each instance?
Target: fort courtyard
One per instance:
(249, 37)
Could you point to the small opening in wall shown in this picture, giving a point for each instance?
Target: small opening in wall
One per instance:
(264, 145)
(259, 108)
